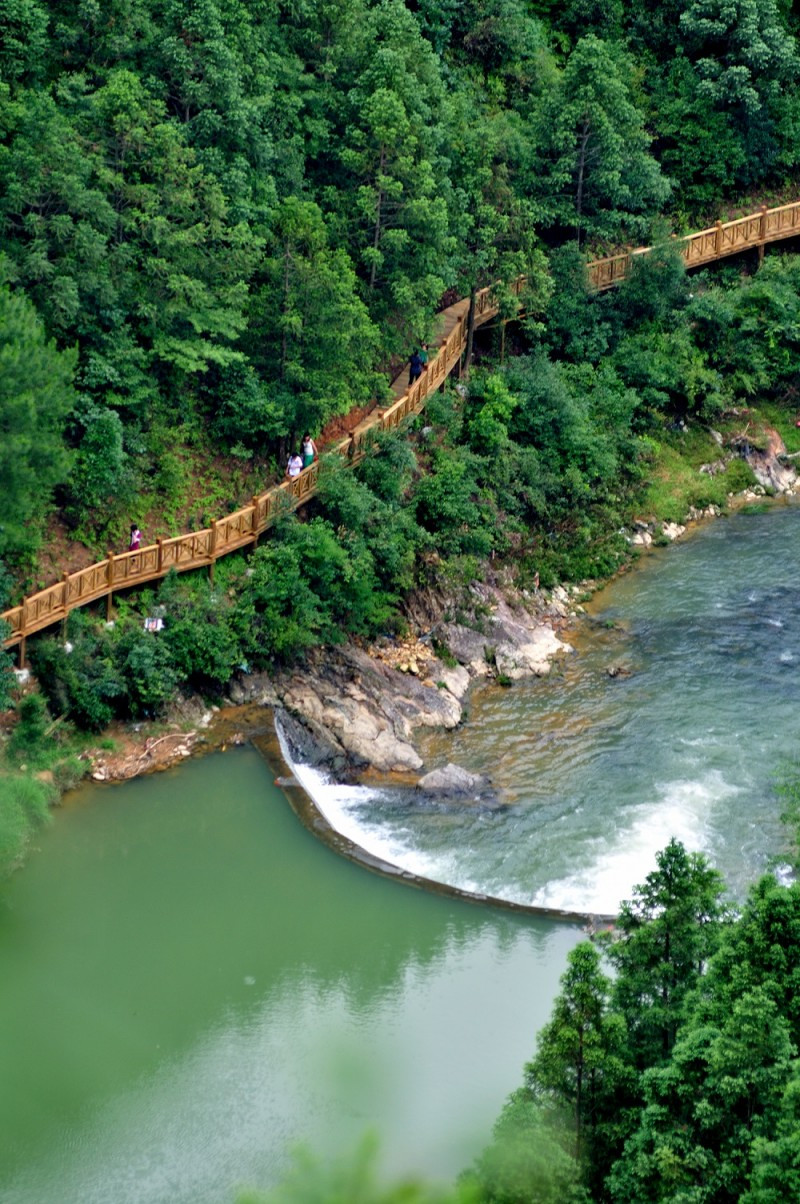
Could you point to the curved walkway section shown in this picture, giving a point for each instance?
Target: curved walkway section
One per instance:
(244, 526)
(717, 242)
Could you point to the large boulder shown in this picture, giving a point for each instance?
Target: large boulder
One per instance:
(452, 779)
(533, 656)
(366, 736)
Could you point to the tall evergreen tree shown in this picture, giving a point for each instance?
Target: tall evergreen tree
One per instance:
(593, 172)
(664, 937)
(36, 393)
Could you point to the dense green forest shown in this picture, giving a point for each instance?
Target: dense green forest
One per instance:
(224, 224)
(221, 225)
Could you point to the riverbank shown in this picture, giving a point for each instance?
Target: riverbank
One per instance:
(353, 709)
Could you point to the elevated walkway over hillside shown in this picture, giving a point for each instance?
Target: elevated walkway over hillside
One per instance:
(242, 528)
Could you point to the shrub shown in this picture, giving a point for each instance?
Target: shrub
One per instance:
(31, 727)
(200, 636)
(24, 803)
(101, 468)
(80, 679)
(144, 664)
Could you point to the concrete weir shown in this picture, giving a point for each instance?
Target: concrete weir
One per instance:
(314, 819)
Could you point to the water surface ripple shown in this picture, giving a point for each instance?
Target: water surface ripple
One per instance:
(599, 771)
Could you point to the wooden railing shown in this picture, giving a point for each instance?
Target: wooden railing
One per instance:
(244, 526)
(725, 238)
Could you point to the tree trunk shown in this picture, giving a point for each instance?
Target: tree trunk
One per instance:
(582, 153)
(376, 238)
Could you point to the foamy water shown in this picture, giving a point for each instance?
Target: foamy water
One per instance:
(681, 812)
(600, 774)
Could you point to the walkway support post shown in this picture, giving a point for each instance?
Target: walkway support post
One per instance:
(212, 550)
(110, 583)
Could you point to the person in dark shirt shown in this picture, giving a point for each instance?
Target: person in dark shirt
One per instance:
(414, 368)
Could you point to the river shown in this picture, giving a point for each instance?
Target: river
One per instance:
(191, 982)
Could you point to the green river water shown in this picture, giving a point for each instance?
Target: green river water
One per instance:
(190, 983)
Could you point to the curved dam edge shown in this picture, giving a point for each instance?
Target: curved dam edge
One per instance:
(305, 807)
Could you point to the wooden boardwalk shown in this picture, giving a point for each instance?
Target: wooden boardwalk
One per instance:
(754, 231)
(243, 528)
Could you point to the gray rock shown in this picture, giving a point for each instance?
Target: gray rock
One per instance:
(532, 657)
(452, 779)
(466, 645)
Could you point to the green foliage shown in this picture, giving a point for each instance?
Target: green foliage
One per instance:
(145, 665)
(29, 732)
(525, 1160)
(447, 504)
(284, 612)
(100, 475)
(776, 1156)
(200, 632)
(490, 414)
(103, 673)
(78, 677)
(35, 394)
(312, 338)
(721, 1089)
(677, 1079)
(245, 412)
(665, 934)
(579, 1057)
(594, 171)
(24, 805)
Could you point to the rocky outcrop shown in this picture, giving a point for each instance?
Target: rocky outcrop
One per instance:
(770, 468)
(452, 779)
(354, 708)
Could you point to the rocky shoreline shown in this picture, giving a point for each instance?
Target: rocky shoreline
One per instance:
(354, 709)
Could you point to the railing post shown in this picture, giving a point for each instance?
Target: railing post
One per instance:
(64, 588)
(718, 238)
(110, 584)
(762, 234)
(160, 556)
(254, 504)
(212, 549)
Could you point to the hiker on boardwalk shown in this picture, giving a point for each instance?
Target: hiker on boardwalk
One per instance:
(309, 450)
(414, 368)
(295, 465)
(136, 538)
(423, 355)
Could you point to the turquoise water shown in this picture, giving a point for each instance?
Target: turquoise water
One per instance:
(599, 772)
(191, 983)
